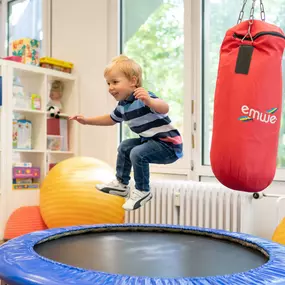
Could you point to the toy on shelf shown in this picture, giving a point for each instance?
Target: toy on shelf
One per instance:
(27, 49)
(60, 65)
(36, 102)
(24, 176)
(19, 96)
(54, 105)
(22, 134)
(22, 99)
(54, 143)
(13, 58)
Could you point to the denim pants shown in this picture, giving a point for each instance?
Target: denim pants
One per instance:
(137, 154)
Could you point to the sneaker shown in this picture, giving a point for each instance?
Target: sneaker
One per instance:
(115, 188)
(137, 199)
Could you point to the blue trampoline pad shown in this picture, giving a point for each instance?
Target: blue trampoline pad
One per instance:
(141, 254)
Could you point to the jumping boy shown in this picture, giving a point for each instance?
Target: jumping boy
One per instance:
(146, 115)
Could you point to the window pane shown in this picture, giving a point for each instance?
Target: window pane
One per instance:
(219, 16)
(153, 35)
(24, 20)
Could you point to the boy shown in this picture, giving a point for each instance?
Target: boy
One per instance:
(146, 115)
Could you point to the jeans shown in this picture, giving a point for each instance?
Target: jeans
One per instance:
(137, 154)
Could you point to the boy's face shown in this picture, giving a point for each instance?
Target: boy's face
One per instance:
(120, 87)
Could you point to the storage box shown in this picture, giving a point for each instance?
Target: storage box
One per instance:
(59, 127)
(29, 186)
(56, 64)
(54, 143)
(26, 172)
(27, 49)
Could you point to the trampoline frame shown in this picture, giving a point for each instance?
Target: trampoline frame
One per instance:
(20, 264)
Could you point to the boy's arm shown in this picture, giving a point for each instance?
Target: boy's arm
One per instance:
(158, 105)
(104, 120)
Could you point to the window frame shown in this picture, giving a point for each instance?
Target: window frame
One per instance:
(46, 19)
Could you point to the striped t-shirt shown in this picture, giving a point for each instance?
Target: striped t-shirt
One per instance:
(147, 123)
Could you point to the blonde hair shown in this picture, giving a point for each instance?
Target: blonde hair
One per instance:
(127, 66)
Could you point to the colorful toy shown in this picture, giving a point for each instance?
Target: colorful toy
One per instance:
(54, 142)
(22, 134)
(26, 186)
(27, 49)
(36, 102)
(54, 105)
(52, 63)
(26, 172)
(68, 195)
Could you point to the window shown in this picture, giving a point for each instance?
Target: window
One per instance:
(219, 16)
(153, 35)
(24, 20)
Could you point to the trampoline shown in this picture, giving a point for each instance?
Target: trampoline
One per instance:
(140, 254)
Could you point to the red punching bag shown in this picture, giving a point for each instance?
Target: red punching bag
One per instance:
(247, 105)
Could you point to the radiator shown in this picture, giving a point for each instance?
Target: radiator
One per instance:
(202, 204)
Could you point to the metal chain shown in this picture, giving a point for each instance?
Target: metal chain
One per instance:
(251, 17)
(262, 12)
(241, 13)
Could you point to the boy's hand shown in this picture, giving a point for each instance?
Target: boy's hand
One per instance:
(79, 118)
(141, 94)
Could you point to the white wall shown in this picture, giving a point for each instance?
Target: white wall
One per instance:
(81, 34)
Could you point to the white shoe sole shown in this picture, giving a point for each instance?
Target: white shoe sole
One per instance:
(112, 191)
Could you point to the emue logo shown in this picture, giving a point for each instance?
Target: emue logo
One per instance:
(254, 115)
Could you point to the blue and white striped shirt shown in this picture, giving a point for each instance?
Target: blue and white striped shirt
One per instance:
(147, 123)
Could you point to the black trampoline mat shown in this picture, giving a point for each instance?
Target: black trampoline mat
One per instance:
(152, 254)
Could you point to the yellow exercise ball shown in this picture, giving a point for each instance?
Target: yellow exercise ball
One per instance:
(68, 196)
(279, 233)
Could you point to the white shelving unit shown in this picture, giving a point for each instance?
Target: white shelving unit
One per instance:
(34, 80)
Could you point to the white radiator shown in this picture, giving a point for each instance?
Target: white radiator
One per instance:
(202, 204)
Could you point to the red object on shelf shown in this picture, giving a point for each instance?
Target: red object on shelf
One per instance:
(13, 58)
(53, 126)
(51, 165)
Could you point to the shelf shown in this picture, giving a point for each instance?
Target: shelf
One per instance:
(62, 115)
(26, 189)
(28, 150)
(27, 111)
(59, 152)
(26, 68)
(34, 80)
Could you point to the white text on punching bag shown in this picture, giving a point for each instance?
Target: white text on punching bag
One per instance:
(259, 116)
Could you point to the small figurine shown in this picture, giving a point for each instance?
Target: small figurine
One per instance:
(54, 105)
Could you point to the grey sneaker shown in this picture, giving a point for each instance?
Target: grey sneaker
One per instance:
(115, 188)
